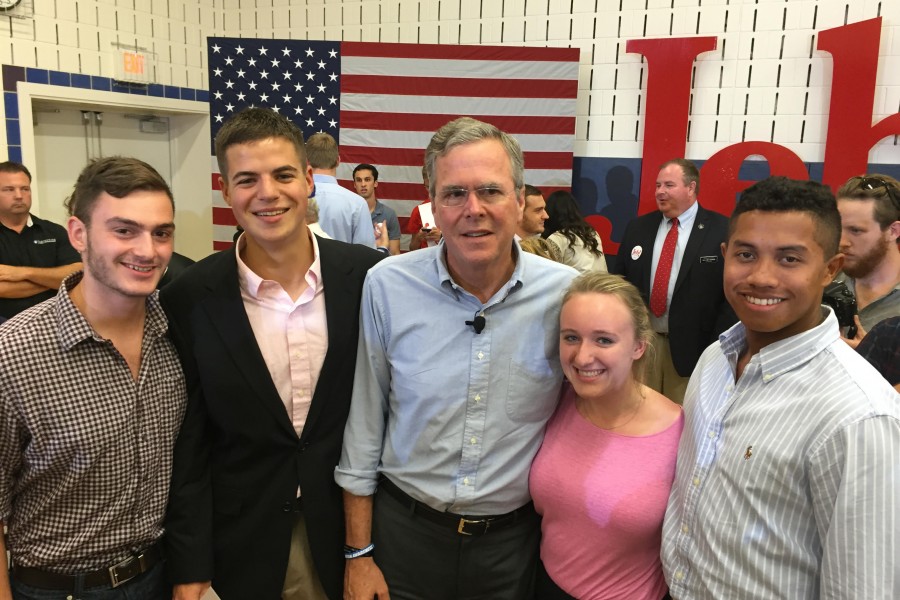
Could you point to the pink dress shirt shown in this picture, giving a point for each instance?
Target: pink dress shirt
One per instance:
(292, 335)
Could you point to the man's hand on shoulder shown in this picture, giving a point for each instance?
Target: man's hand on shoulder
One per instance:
(363, 580)
(190, 591)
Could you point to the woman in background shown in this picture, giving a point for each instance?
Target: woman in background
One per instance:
(580, 245)
(602, 477)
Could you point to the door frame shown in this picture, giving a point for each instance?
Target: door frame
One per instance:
(189, 150)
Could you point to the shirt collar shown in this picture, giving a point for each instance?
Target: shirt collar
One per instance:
(251, 282)
(74, 327)
(788, 354)
(686, 219)
(320, 178)
(446, 280)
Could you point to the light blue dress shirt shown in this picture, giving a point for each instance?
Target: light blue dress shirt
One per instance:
(787, 483)
(342, 214)
(452, 417)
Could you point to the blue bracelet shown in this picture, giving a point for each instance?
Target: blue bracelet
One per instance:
(351, 552)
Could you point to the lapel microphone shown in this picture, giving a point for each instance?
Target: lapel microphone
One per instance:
(477, 323)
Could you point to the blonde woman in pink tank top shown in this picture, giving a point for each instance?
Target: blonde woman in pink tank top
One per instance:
(601, 480)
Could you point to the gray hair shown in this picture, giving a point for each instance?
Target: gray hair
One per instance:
(466, 130)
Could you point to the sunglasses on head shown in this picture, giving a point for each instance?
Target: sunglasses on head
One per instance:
(876, 183)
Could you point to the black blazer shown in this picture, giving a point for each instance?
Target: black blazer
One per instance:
(699, 311)
(238, 460)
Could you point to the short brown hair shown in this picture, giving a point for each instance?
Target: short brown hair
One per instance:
(11, 166)
(253, 125)
(117, 176)
(886, 196)
(690, 172)
(322, 150)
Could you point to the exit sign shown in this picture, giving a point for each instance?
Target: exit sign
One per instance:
(132, 65)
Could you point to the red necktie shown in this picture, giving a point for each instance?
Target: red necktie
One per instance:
(663, 271)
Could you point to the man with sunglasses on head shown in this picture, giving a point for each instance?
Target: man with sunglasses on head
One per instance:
(870, 224)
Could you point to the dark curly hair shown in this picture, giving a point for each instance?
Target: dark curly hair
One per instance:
(565, 218)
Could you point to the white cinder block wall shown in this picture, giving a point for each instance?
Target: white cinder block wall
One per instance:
(729, 104)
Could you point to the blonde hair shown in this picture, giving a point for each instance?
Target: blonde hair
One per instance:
(541, 247)
(616, 285)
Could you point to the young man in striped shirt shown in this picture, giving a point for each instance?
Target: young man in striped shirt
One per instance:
(787, 484)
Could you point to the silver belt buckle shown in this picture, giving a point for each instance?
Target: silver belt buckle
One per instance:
(114, 570)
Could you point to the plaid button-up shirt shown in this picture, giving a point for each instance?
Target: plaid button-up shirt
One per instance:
(85, 449)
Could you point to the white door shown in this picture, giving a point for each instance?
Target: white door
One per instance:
(66, 138)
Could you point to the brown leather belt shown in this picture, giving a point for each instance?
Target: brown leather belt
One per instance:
(462, 524)
(113, 576)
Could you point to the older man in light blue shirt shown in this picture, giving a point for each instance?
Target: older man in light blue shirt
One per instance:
(455, 380)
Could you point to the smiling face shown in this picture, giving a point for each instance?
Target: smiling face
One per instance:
(673, 197)
(597, 345)
(863, 242)
(775, 272)
(128, 243)
(268, 188)
(478, 233)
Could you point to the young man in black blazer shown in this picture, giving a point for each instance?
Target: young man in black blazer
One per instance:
(691, 310)
(267, 332)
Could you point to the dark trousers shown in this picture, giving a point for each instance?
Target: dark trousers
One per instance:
(151, 585)
(421, 559)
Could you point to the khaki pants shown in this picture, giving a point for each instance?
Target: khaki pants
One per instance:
(661, 373)
(301, 581)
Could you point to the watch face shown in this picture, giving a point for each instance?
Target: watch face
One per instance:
(8, 4)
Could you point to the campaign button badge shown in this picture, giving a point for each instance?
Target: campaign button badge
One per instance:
(636, 252)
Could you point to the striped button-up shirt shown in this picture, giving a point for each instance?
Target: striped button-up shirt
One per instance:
(787, 484)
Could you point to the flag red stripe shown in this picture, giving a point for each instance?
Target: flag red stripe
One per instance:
(469, 88)
(396, 191)
(415, 156)
(223, 216)
(219, 246)
(447, 52)
(215, 182)
(511, 124)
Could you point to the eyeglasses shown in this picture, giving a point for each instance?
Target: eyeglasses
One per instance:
(876, 183)
(456, 196)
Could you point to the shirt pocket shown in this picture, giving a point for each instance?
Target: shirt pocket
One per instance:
(532, 390)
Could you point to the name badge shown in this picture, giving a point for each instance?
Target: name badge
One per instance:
(47, 241)
(709, 259)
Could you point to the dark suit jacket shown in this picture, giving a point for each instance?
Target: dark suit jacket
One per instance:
(238, 460)
(699, 311)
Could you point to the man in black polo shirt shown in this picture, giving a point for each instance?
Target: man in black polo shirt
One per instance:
(35, 255)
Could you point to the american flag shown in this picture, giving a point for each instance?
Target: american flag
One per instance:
(383, 102)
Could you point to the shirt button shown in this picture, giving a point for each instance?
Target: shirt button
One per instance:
(711, 434)
(473, 440)
(679, 574)
(477, 397)
(684, 529)
(465, 481)
(696, 481)
(480, 355)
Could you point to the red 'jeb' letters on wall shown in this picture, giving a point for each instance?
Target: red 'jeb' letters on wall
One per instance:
(850, 134)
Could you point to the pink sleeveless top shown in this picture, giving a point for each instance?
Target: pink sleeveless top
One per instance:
(603, 497)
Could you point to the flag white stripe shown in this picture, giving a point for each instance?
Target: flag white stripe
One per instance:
(459, 69)
(413, 174)
(419, 140)
(455, 105)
